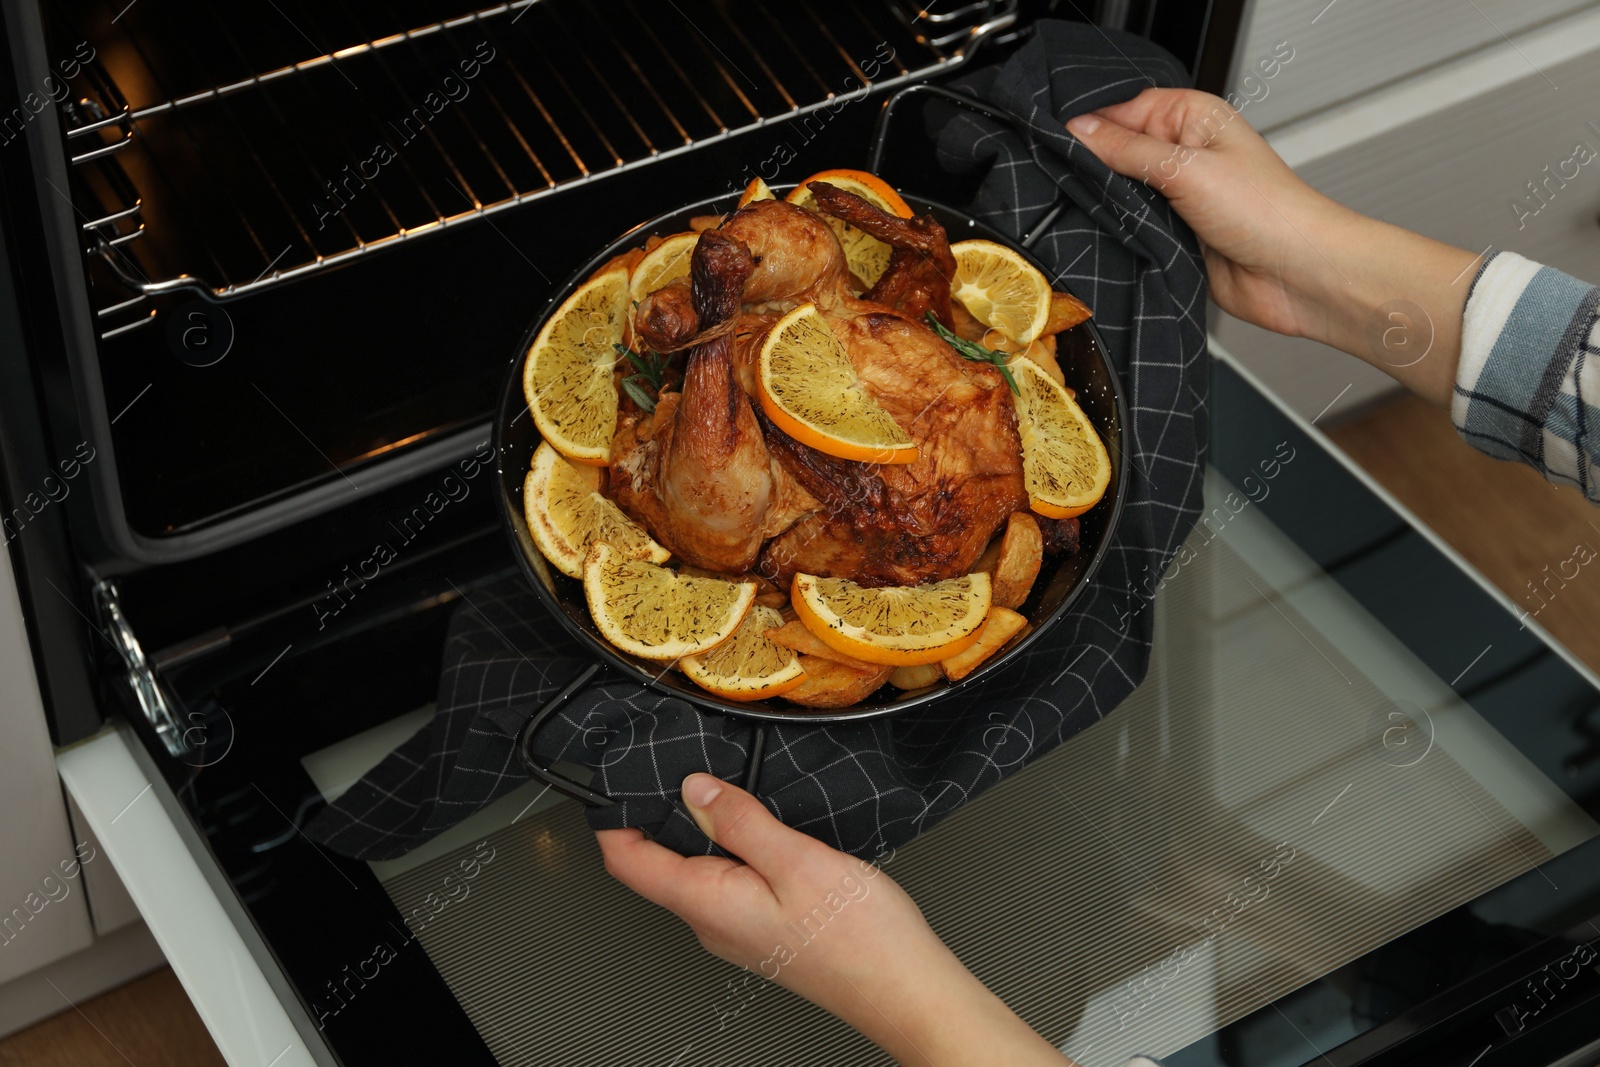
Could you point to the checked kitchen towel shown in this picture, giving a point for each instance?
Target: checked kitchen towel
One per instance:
(868, 787)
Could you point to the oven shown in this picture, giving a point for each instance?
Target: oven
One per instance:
(264, 266)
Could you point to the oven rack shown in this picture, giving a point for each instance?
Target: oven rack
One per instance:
(271, 174)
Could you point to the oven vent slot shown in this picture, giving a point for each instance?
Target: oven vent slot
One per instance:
(217, 154)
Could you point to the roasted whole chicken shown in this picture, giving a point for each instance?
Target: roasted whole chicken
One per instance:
(727, 491)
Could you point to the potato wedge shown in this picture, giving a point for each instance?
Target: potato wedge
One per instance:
(1044, 354)
(793, 634)
(833, 685)
(919, 677)
(1001, 625)
(1021, 553)
(1066, 311)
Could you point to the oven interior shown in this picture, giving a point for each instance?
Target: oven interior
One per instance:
(314, 232)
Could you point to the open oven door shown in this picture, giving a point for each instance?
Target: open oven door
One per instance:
(1213, 770)
(224, 966)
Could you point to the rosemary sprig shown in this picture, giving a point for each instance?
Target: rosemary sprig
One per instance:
(977, 353)
(652, 371)
(652, 366)
(631, 386)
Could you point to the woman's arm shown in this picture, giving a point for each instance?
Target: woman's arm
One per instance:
(1280, 254)
(1530, 370)
(834, 929)
(1512, 347)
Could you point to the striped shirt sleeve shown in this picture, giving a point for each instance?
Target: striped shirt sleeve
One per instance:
(1530, 370)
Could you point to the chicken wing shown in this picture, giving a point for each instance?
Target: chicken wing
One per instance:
(921, 267)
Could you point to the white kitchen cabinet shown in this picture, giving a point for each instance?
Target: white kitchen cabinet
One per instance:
(1346, 48)
(69, 930)
(44, 913)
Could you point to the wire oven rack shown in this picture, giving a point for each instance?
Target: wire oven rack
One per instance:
(210, 155)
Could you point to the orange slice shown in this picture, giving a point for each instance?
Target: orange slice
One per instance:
(646, 609)
(756, 190)
(666, 262)
(1065, 466)
(867, 256)
(864, 184)
(567, 378)
(808, 386)
(749, 665)
(898, 625)
(567, 513)
(1001, 289)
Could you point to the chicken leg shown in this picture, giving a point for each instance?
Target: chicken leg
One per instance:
(696, 471)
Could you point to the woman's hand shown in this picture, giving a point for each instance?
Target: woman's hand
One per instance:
(1228, 184)
(1281, 255)
(834, 929)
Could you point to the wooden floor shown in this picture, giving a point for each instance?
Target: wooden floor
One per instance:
(149, 1023)
(1516, 528)
(1506, 520)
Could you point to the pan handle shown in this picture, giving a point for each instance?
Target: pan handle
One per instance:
(752, 765)
(880, 141)
(582, 793)
(560, 782)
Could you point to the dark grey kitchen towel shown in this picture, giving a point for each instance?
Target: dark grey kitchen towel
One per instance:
(867, 787)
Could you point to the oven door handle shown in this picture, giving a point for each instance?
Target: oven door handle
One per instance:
(880, 142)
(599, 673)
